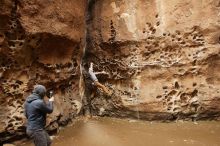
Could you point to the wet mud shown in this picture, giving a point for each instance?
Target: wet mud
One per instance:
(118, 132)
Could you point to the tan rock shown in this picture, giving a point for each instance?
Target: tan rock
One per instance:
(161, 56)
(41, 42)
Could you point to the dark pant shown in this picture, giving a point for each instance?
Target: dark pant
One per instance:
(40, 137)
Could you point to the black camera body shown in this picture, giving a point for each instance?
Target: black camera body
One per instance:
(50, 93)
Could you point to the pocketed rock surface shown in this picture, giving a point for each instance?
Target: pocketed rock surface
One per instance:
(161, 58)
(41, 42)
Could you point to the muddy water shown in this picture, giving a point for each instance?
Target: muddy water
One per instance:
(116, 132)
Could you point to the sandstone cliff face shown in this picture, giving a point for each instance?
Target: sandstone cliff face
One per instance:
(41, 42)
(162, 57)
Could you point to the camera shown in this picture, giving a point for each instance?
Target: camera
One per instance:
(50, 93)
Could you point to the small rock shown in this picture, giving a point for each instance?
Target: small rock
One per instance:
(101, 111)
(8, 145)
(132, 121)
(195, 123)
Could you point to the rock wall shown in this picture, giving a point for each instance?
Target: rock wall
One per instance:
(41, 42)
(162, 58)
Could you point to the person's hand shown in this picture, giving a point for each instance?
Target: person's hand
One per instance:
(103, 72)
(51, 99)
(91, 67)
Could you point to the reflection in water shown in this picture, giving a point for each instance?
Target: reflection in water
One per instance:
(117, 132)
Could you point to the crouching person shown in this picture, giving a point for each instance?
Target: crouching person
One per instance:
(36, 110)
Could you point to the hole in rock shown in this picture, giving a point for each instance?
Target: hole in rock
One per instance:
(75, 64)
(183, 97)
(11, 44)
(194, 84)
(194, 93)
(171, 103)
(177, 85)
(165, 87)
(19, 82)
(159, 96)
(169, 108)
(158, 23)
(20, 44)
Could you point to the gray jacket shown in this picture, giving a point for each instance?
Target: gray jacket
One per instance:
(36, 109)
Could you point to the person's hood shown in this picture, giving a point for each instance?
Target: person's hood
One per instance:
(38, 93)
(40, 90)
(32, 97)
